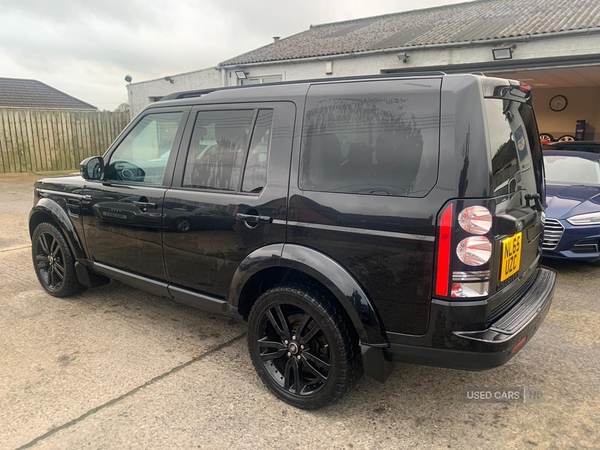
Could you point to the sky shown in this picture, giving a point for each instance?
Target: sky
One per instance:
(86, 47)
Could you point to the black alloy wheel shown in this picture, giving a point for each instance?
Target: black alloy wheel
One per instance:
(183, 225)
(53, 261)
(50, 261)
(303, 347)
(294, 350)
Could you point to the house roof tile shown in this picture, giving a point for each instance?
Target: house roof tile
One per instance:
(472, 21)
(20, 93)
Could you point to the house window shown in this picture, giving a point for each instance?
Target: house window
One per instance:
(261, 80)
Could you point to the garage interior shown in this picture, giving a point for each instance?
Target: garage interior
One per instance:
(580, 86)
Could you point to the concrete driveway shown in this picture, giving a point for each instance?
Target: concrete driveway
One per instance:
(117, 368)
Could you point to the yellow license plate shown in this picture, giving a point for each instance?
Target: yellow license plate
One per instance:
(511, 256)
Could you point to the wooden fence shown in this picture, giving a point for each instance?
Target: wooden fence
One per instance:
(54, 140)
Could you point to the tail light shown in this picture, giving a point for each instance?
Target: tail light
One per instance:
(443, 252)
(474, 250)
(463, 252)
(475, 220)
(523, 87)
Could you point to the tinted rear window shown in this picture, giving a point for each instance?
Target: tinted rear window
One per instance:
(375, 137)
(514, 147)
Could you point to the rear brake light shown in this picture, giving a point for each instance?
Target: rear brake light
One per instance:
(475, 220)
(443, 252)
(523, 87)
(466, 233)
(474, 251)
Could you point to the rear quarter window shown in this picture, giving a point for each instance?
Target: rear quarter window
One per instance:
(372, 137)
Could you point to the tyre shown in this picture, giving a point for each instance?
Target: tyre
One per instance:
(303, 347)
(53, 261)
(183, 225)
(566, 138)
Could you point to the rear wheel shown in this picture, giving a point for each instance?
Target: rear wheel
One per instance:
(183, 225)
(304, 348)
(53, 261)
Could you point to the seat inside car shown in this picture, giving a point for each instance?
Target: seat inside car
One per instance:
(360, 160)
(216, 170)
(398, 156)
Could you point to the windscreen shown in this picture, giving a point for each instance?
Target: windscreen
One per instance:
(568, 169)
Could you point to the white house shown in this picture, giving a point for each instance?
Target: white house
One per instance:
(552, 45)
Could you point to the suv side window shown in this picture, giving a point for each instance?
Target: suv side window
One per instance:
(219, 151)
(255, 173)
(375, 137)
(141, 158)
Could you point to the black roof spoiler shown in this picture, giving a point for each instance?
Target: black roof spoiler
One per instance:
(507, 90)
(201, 92)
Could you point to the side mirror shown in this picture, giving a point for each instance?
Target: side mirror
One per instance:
(92, 168)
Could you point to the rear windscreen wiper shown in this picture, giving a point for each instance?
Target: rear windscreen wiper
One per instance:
(537, 201)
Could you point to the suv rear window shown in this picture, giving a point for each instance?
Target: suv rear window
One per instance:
(374, 137)
(514, 146)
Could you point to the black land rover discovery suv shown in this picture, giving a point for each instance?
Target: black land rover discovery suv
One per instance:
(352, 222)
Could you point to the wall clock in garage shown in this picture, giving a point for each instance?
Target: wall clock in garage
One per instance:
(558, 103)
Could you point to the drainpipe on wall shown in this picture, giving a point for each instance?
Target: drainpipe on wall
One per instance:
(223, 77)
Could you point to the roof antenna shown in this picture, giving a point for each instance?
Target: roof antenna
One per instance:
(276, 38)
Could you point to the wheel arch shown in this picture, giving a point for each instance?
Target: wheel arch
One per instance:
(276, 263)
(48, 210)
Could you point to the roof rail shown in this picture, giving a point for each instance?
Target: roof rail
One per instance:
(201, 92)
(188, 94)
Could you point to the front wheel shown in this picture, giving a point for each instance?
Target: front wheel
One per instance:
(303, 346)
(53, 261)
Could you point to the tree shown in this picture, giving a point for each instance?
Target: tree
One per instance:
(123, 107)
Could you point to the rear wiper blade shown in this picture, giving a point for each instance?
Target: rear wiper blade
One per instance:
(537, 201)
(373, 191)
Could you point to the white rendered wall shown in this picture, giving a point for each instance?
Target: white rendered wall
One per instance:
(140, 94)
(478, 53)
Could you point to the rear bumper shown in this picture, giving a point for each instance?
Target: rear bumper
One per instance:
(490, 347)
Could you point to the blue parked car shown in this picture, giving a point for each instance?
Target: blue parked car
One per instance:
(572, 225)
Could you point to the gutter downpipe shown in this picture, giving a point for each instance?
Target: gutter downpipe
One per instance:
(223, 76)
(526, 38)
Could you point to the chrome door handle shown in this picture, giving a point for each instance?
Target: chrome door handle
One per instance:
(145, 205)
(251, 218)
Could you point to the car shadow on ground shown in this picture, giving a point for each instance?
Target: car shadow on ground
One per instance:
(569, 266)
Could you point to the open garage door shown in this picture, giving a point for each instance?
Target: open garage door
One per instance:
(563, 98)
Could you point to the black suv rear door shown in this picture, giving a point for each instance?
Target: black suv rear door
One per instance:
(229, 193)
(519, 189)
